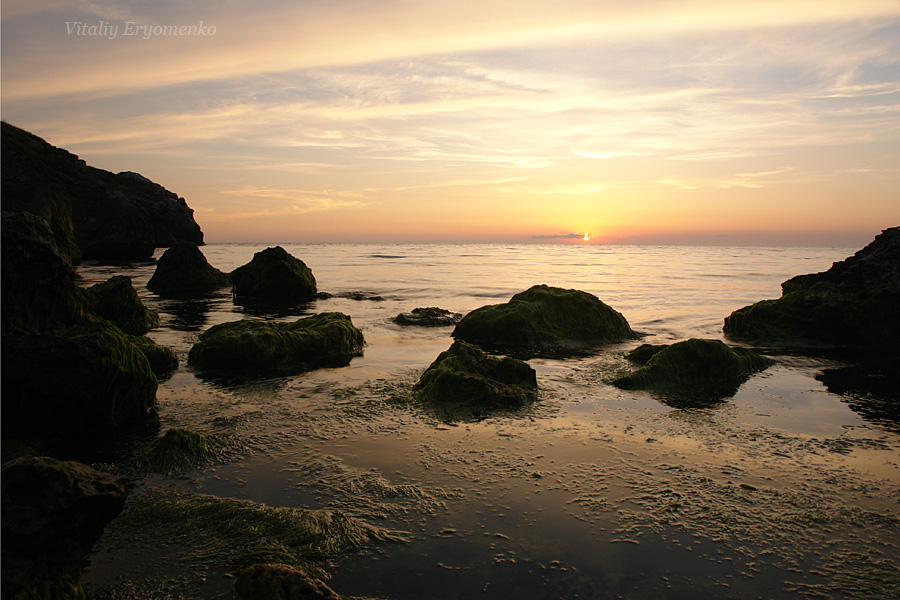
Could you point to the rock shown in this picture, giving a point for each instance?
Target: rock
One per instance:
(853, 304)
(116, 300)
(53, 513)
(178, 450)
(162, 360)
(182, 271)
(695, 368)
(428, 317)
(49, 201)
(326, 339)
(464, 380)
(544, 321)
(274, 276)
(280, 582)
(114, 217)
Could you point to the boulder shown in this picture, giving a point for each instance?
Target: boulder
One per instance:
(116, 300)
(464, 379)
(325, 339)
(853, 304)
(182, 271)
(544, 321)
(274, 276)
(178, 450)
(280, 582)
(114, 217)
(695, 368)
(162, 359)
(428, 317)
(53, 513)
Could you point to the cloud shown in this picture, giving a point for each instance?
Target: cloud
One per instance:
(564, 236)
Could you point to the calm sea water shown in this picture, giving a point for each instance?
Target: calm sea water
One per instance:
(782, 491)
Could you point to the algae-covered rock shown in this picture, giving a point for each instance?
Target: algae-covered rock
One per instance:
(178, 450)
(183, 271)
(464, 379)
(694, 368)
(855, 303)
(116, 300)
(544, 320)
(325, 339)
(274, 276)
(428, 317)
(162, 359)
(53, 513)
(280, 582)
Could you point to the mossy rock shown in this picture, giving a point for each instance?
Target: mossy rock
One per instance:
(325, 339)
(428, 317)
(277, 582)
(178, 450)
(162, 359)
(464, 380)
(183, 271)
(116, 300)
(274, 276)
(545, 321)
(693, 369)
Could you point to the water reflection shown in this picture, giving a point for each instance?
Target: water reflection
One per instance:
(187, 315)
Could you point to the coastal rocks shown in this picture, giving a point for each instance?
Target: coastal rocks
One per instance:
(280, 582)
(178, 450)
(162, 360)
(53, 513)
(695, 368)
(116, 300)
(853, 304)
(428, 317)
(544, 321)
(325, 339)
(183, 272)
(274, 276)
(115, 217)
(464, 380)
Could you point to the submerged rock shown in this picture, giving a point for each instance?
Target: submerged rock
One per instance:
(53, 513)
(177, 450)
(544, 320)
(464, 379)
(695, 368)
(280, 582)
(326, 339)
(116, 300)
(855, 303)
(428, 317)
(182, 271)
(274, 276)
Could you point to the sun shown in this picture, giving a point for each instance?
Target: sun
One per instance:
(587, 237)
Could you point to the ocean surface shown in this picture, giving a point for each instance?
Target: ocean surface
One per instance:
(782, 491)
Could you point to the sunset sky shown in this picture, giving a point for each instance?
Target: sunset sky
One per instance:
(761, 121)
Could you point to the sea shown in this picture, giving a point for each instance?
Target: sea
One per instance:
(782, 491)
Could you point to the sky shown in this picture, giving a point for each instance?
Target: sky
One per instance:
(647, 121)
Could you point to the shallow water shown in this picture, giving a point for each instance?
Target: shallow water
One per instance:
(782, 491)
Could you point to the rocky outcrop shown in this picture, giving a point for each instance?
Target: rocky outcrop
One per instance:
(326, 339)
(544, 321)
(274, 276)
(855, 304)
(183, 272)
(464, 380)
(53, 513)
(112, 217)
(116, 300)
(693, 369)
(280, 582)
(162, 360)
(428, 317)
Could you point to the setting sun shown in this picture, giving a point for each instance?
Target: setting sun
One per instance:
(587, 237)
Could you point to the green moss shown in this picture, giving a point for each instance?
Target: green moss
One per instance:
(695, 368)
(182, 271)
(162, 359)
(544, 320)
(116, 300)
(64, 585)
(176, 451)
(326, 339)
(645, 352)
(274, 275)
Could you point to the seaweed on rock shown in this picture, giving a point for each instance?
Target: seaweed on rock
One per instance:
(116, 300)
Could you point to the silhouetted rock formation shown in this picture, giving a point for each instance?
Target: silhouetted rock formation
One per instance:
(111, 217)
(53, 513)
(250, 346)
(274, 276)
(182, 271)
(544, 321)
(428, 317)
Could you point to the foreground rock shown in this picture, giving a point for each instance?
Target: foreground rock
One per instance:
(428, 317)
(116, 300)
(53, 513)
(114, 217)
(544, 320)
(464, 380)
(693, 369)
(162, 360)
(183, 272)
(280, 582)
(855, 303)
(274, 276)
(326, 339)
